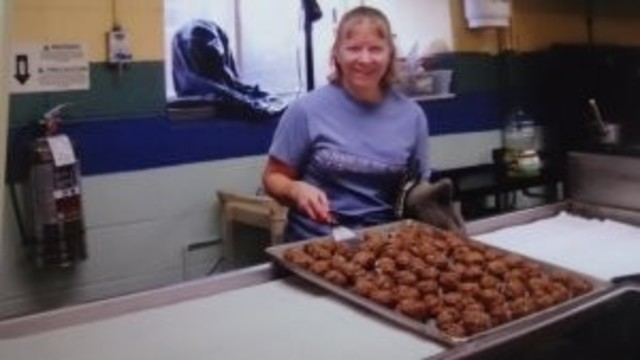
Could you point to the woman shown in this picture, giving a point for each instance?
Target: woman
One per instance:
(341, 152)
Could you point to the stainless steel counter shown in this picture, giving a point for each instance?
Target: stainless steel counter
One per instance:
(273, 318)
(256, 313)
(244, 315)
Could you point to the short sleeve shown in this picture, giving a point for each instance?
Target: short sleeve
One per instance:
(291, 140)
(422, 146)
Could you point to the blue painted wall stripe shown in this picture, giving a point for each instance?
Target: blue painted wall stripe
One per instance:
(468, 112)
(140, 143)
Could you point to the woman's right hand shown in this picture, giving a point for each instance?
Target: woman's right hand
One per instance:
(311, 201)
(281, 182)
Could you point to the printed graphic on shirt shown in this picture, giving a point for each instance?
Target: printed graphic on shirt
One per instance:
(333, 161)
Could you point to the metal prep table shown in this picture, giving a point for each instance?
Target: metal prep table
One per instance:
(258, 313)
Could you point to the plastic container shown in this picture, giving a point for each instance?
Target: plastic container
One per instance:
(519, 131)
(520, 139)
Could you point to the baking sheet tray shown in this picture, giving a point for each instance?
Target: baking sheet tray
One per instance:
(429, 328)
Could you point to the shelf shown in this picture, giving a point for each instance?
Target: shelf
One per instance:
(474, 184)
(433, 97)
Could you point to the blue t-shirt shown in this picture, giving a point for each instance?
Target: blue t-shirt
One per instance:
(358, 153)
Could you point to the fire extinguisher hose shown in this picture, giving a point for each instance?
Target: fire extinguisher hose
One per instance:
(19, 219)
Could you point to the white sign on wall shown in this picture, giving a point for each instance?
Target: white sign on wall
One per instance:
(48, 67)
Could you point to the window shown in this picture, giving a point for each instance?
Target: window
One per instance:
(266, 39)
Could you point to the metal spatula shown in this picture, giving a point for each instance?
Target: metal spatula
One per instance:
(341, 232)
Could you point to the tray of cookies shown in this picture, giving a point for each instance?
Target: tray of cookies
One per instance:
(447, 287)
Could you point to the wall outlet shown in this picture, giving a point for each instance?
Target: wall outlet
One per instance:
(118, 47)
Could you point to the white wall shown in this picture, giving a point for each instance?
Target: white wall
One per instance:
(411, 29)
(460, 150)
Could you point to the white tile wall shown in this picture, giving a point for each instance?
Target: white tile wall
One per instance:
(139, 225)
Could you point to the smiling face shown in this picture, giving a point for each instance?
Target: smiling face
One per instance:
(362, 55)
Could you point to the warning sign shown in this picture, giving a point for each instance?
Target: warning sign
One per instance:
(48, 67)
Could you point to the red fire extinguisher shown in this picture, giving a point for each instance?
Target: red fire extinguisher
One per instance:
(56, 233)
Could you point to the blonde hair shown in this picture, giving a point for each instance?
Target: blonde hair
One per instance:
(383, 27)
